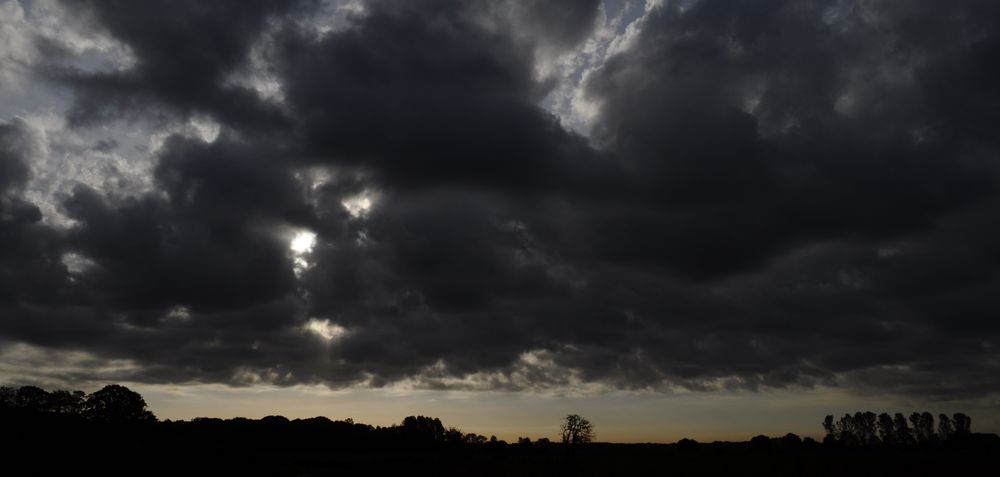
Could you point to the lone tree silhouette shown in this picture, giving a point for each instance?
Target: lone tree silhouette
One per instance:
(577, 430)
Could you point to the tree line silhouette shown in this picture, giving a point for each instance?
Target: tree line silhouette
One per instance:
(114, 426)
(868, 429)
(112, 403)
(116, 405)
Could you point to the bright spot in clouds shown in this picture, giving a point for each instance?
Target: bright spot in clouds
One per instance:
(325, 329)
(303, 242)
(358, 205)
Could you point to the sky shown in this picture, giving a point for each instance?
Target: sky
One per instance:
(678, 218)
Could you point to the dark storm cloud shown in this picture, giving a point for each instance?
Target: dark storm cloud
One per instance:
(774, 194)
(206, 244)
(562, 23)
(761, 130)
(185, 279)
(758, 117)
(184, 52)
(30, 261)
(13, 156)
(420, 94)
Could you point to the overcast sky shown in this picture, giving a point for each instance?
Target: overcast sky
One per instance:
(709, 218)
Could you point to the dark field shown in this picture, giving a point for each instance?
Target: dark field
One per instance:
(320, 447)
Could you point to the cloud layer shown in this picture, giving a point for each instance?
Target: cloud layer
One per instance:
(782, 194)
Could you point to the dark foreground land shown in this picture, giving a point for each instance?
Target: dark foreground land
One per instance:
(110, 432)
(318, 447)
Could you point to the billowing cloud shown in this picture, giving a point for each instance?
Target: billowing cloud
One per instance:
(31, 268)
(769, 195)
(184, 53)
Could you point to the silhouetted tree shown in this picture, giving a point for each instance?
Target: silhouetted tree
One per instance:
(760, 443)
(846, 433)
(689, 446)
(962, 423)
(945, 427)
(275, 422)
(32, 398)
(886, 429)
(830, 426)
(7, 396)
(474, 439)
(37, 400)
(494, 442)
(116, 403)
(789, 441)
(923, 426)
(453, 437)
(865, 427)
(66, 402)
(577, 430)
(902, 431)
(424, 429)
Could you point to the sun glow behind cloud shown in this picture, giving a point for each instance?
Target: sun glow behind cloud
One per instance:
(303, 242)
(358, 205)
(301, 245)
(325, 329)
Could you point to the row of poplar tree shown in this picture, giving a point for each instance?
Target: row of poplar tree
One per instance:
(867, 428)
